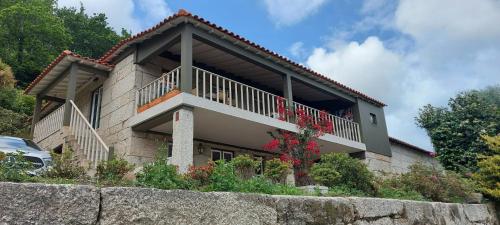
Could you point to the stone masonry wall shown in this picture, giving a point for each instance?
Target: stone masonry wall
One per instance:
(403, 158)
(80, 204)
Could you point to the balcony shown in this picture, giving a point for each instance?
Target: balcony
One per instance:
(228, 92)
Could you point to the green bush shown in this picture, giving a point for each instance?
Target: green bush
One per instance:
(161, 175)
(431, 183)
(14, 168)
(259, 184)
(339, 169)
(277, 171)
(245, 166)
(113, 171)
(223, 177)
(65, 166)
(344, 191)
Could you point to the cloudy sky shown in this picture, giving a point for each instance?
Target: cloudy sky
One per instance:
(406, 53)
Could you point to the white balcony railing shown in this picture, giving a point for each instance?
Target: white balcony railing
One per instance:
(158, 87)
(225, 91)
(341, 127)
(49, 125)
(219, 89)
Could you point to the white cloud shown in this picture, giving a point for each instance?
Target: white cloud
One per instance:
(122, 13)
(289, 12)
(368, 67)
(297, 49)
(444, 47)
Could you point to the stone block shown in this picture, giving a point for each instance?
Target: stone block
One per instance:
(48, 204)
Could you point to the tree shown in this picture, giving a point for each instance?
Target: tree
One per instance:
(456, 131)
(31, 36)
(91, 35)
(488, 175)
(6, 76)
(301, 148)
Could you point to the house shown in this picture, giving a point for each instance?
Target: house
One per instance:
(199, 90)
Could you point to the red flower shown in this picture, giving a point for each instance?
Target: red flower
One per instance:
(272, 145)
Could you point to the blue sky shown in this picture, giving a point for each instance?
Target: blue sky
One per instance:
(406, 53)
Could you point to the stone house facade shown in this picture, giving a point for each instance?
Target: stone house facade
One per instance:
(203, 93)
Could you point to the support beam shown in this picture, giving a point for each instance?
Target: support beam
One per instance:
(187, 59)
(156, 45)
(182, 138)
(36, 113)
(255, 58)
(287, 90)
(53, 99)
(70, 93)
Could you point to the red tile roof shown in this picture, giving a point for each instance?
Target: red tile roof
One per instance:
(56, 61)
(108, 56)
(397, 141)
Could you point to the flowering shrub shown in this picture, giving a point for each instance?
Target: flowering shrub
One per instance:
(200, 175)
(300, 149)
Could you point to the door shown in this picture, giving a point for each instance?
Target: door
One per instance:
(95, 108)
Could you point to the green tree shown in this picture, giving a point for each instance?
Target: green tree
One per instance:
(31, 36)
(488, 175)
(456, 131)
(92, 35)
(6, 75)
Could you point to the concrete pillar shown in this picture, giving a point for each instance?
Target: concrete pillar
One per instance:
(70, 93)
(182, 137)
(186, 59)
(36, 113)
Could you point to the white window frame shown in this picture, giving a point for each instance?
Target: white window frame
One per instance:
(221, 152)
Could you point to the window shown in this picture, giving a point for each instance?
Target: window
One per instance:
(95, 110)
(373, 118)
(219, 155)
(169, 149)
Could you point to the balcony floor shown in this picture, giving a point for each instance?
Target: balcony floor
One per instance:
(225, 124)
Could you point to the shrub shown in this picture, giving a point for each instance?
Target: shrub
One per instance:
(14, 168)
(344, 191)
(200, 176)
(245, 166)
(161, 175)
(339, 169)
(393, 188)
(223, 177)
(66, 166)
(113, 171)
(276, 171)
(430, 182)
(488, 175)
(259, 184)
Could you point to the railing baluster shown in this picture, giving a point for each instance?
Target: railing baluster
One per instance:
(197, 84)
(204, 86)
(217, 88)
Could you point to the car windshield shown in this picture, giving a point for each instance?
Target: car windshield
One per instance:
(18, 144)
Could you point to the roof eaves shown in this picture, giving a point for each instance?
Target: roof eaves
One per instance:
(59, 58)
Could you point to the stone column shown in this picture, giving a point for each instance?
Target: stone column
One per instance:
(287, 89)
(182, 135)
(70, 93)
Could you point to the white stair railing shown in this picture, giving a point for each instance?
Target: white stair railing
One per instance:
(89, 141)
(158, 87)
(48, 125)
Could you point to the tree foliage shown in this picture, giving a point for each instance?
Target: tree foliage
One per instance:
(6, 75)
(488, 175)
(91, 35)
(456, 131)
(34, 32)
(31, 36)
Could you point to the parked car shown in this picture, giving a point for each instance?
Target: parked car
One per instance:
(40, 159)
